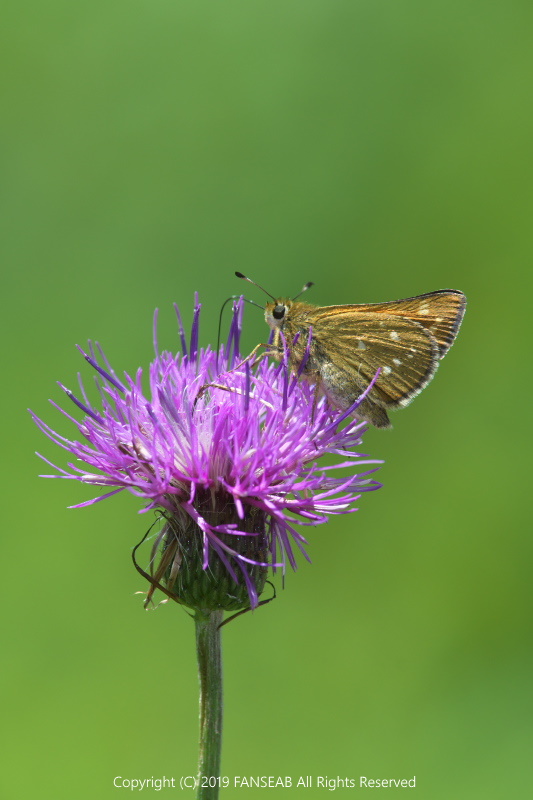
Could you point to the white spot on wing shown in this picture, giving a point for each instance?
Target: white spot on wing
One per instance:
(387, 370)
(394, 335)
(361, 345)
(397, 362)
(423, 310)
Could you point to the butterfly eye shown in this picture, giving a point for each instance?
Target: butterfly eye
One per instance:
(279, 312)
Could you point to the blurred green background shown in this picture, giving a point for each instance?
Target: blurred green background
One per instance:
(380, 149)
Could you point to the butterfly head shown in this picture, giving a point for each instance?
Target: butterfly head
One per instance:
(277, 313)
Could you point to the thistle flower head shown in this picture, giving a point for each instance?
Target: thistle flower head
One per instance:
(229, 453)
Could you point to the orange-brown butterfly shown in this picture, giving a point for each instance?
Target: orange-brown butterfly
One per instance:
(346, 345)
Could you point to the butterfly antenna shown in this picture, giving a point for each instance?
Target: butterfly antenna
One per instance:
(305, 288)
(244, 278)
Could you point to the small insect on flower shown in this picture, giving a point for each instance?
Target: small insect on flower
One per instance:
(340, 349)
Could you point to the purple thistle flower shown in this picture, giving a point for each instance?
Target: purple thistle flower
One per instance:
(230, 467)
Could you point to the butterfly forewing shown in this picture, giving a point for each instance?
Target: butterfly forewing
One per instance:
(404, 351)
(440, 313)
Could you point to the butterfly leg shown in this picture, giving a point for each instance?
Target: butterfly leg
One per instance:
(250, 357)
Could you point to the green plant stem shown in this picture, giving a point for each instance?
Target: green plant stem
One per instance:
(208, 648)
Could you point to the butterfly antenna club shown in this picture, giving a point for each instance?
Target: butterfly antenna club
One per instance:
(244, 278)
